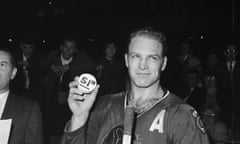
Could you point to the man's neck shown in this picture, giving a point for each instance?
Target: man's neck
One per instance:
(231, 61)
(138, 96)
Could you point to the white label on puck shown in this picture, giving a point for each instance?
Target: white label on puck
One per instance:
(87, 82)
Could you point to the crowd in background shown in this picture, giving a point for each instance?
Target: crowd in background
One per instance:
(210, 84)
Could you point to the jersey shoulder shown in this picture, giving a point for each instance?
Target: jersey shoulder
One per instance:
(109, 101)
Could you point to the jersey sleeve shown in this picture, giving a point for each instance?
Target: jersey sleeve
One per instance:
(186, 127)
(74, 137)
(88, 134)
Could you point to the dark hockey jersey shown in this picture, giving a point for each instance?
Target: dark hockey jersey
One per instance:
(169, 121)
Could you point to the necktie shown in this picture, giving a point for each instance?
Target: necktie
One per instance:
(230, 67)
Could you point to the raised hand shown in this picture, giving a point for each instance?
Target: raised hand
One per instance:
(80, 103)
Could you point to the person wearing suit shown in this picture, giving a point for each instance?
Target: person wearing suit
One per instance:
(229, 88)
(26, 116)
(186, 60)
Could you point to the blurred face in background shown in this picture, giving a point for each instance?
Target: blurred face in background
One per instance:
(27, 49)
(185, 48)
(212, 60)
(230, 52)
(210, 81)
(192, 79)
(68, 49)
(110, 51)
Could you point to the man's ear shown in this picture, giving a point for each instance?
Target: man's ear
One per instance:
(126, 60)
(14, 72)
(164, 63)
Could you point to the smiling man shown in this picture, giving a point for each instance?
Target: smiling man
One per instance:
(160, 117)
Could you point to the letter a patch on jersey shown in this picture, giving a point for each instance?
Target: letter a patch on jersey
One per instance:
(157, 123)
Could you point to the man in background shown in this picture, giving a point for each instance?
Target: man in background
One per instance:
(25, 114)
(229, 89)
(29, 79)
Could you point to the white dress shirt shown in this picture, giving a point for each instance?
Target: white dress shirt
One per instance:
(3, 100)
(231, 65)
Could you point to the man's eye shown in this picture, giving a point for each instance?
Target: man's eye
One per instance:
(3, 65)
(135, 56)
(231, 50)
(154, 58)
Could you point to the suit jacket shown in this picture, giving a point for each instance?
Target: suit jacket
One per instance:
(26, 120)
(229, 88)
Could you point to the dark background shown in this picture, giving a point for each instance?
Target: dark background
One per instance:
(207, 23)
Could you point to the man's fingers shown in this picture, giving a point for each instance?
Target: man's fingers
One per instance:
(76, 78)
(73, 84)
(76, 97)
(75, 91)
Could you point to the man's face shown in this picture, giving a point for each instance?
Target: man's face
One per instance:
(68, 49)
(145, 61)
(185, 48)
(7, 71)
(27, 49)
(231, 53)
(212, 60)
(110, 50)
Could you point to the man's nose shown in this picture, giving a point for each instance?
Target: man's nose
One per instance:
(143, 64)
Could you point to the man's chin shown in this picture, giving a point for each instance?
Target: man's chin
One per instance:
(142, 85)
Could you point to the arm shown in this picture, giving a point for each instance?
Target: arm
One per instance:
(34, 130)
(80, 104)
(74, 137)
(186, 127)
(86, 134)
